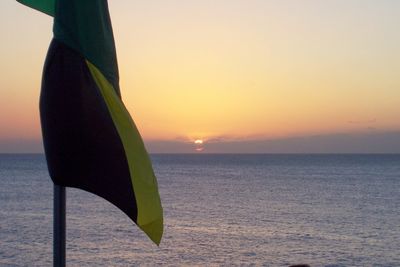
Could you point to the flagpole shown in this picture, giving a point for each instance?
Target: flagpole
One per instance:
(59, 226)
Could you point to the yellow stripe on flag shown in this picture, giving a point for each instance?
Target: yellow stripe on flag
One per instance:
(150, 218)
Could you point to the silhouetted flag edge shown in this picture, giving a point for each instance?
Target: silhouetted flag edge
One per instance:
(143, 179)
(45, 6)
(145, 188)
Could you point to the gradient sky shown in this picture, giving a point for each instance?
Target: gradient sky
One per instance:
(232, 73)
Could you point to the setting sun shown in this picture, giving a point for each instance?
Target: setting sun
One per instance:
(200, 133)
(198, 142)
(270, 76)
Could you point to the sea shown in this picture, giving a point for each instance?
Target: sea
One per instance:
(219, 210)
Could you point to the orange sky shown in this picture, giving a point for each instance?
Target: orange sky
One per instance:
(239, 69)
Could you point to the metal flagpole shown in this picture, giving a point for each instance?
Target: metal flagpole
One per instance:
(59, 226)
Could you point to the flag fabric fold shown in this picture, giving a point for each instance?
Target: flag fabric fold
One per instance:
(90, 140)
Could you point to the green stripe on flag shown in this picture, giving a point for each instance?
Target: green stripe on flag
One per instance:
(45, 6)
(85, 26)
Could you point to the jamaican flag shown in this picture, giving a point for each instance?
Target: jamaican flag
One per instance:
(90, 140)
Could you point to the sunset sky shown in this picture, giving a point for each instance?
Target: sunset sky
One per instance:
(241, 76)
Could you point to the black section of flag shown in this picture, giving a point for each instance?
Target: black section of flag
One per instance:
(83, 148)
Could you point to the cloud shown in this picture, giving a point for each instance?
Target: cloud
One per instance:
(366, 142)
(21, 146)
(369, 142)
(370, 121)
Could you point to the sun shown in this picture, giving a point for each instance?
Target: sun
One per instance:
(198, 141)
(198, 145)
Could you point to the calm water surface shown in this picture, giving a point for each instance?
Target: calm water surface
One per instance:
(261, 210)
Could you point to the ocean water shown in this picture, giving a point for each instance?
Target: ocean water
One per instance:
(220, 210)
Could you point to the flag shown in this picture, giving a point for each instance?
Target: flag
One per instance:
(90, 140)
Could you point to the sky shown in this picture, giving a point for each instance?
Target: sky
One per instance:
(252, 76)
